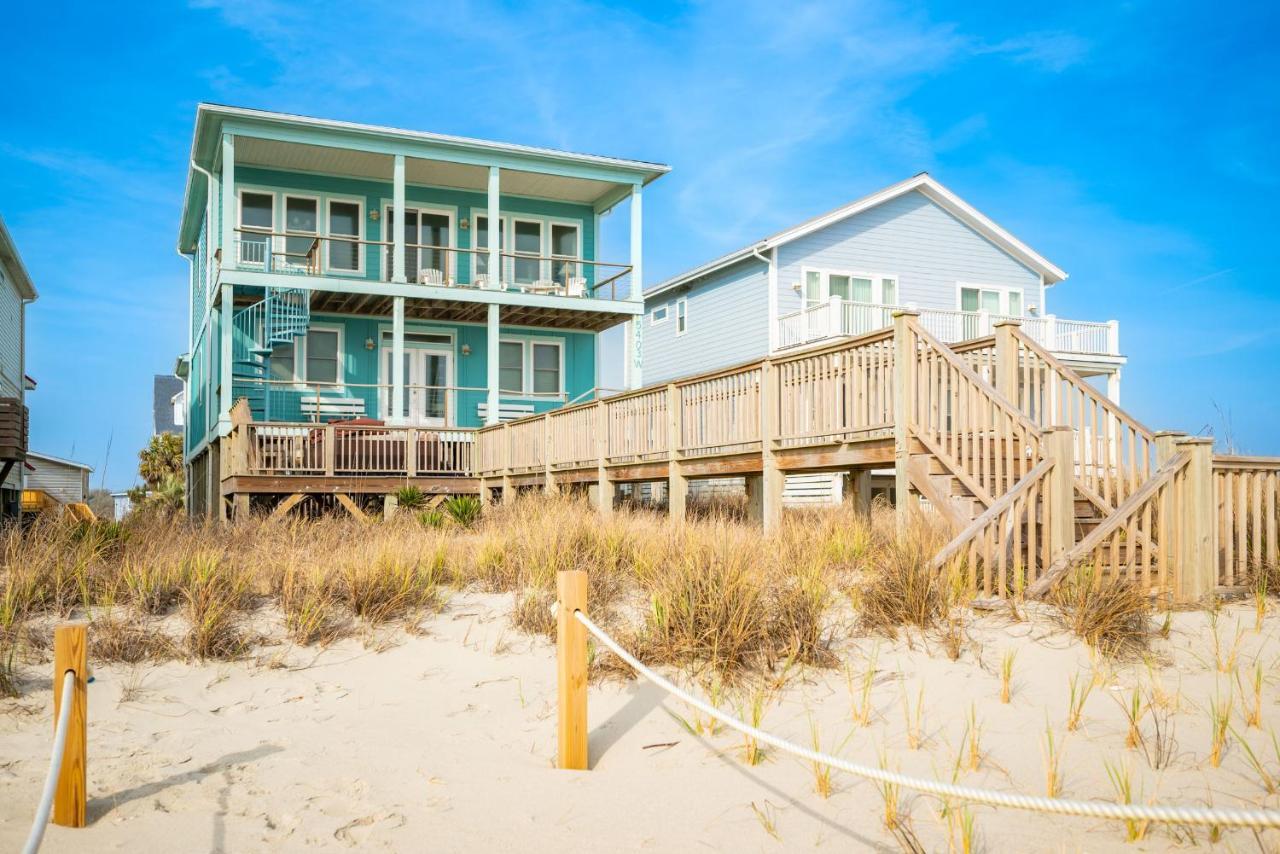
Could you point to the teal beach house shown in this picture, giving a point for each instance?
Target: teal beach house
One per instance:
(362, 299)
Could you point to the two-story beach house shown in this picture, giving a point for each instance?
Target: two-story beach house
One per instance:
(16, 290)
(914, 245)
(363, 298)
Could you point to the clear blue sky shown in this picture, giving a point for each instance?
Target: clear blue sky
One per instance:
(1136, 145)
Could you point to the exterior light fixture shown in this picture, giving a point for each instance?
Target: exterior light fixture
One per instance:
(368, 344)
(465, 224)
(373, 214)
(466, 349)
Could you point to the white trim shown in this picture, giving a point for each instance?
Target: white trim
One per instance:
(665, 308)
(526, 343)
(923, 182)
(448, 350)
(877, 285)
(329, 270)
(682, 316)
(1003, 290)
(450, 211)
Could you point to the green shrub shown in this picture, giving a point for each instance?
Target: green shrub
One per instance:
(463, 509)
(410, 497)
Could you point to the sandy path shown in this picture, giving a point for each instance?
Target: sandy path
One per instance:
(445, 741)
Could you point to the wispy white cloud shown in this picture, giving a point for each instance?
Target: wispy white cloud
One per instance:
(1049, 51)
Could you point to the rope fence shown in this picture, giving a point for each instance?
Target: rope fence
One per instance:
(41, 821)
(64, 796)
(1186, 815)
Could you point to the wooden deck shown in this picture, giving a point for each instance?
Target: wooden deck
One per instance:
(1033, 469)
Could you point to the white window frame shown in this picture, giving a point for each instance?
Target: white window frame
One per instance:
(544, 235)
(544, 244)
(283, 219)
(824, 284)
(665, 308)
(1003, 290)
(526, 343)
(359, 237)
(682, 316)
(299, 378)
(451, 258)
(242, 229)
(577, 258)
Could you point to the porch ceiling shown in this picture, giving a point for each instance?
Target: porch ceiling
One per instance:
(457, 311)
(327, 160)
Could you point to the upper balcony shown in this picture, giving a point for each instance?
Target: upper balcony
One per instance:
(1072, 339)
(363, 215)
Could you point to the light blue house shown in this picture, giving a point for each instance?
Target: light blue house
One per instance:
(912, 245)
(343, 273)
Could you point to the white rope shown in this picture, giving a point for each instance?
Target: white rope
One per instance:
(55, 765)
(1095, 809)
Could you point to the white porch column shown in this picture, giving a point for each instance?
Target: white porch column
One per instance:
(495, 246)
(397, 235)
(225, 327)
(230, 210)
(1113, 386)
(396, 410)
(1113, 337)
(635, 329)
(491, 363)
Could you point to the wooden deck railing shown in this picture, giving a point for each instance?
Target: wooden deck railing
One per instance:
(1247, 497)
(281, 448)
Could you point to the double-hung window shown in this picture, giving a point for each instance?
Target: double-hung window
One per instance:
(530, 367)
(527, 265)
(482, 242)
(566, 251)
(682, 315)
(312, 358)
(257, 217)
(345, 219)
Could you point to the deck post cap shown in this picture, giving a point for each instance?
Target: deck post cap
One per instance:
(905, 312)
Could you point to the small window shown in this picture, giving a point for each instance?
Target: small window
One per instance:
(860, 290)
(322, 356)
(889, 291)
(511, 367)
(257, 211)
(482, 242)
(682, 316)
(546, 369)
(659, 314)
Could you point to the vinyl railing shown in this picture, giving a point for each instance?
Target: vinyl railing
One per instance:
(838, 317)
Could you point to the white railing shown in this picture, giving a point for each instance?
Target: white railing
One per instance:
(844, 317)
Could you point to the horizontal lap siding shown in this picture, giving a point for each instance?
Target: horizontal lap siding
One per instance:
(63, 482)
(10, 354)
(911, 237)
(728, 323)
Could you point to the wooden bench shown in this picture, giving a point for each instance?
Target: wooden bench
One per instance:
(333, 407)
(506, 411)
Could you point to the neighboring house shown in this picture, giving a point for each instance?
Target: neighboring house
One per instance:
(344, 272)
(914, 245)
(167, 404)
(64, 481)
(16, 290)
(121, 505)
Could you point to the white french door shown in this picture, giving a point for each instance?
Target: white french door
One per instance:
(428, 374)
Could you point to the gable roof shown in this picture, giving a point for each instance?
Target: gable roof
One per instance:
(58, 461)
(13, 263)
(923, 183)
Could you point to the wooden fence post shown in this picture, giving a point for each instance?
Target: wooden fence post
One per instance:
(1196, 572)
(71, 652)
(1060, 497)
(1008, 357)
(548, 444)
(772, 480)
(677, 483)
(571, 670)
(606, 490)
(904, 374)
(508, 485)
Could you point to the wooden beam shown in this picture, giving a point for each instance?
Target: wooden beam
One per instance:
(282, 509)
(352, 508)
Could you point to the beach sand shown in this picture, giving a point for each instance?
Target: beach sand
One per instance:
(443, 739)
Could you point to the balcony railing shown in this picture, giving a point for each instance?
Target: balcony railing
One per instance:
(843, 317)
(425, 264)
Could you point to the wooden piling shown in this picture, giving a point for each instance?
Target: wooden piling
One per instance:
(571, 670)
(71, 652)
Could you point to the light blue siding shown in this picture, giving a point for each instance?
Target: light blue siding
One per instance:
(911, 237)
(728, 322)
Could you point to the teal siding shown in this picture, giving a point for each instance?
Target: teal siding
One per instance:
(374, 195)
(360, 366)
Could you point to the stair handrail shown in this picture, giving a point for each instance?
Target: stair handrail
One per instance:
(990, 390)
(1075, 379)
(1000, 505)
(1120, 516)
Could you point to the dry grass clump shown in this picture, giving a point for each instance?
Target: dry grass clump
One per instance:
(116, 638)
(1111, 615)
(213, 596)
(902, 586)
